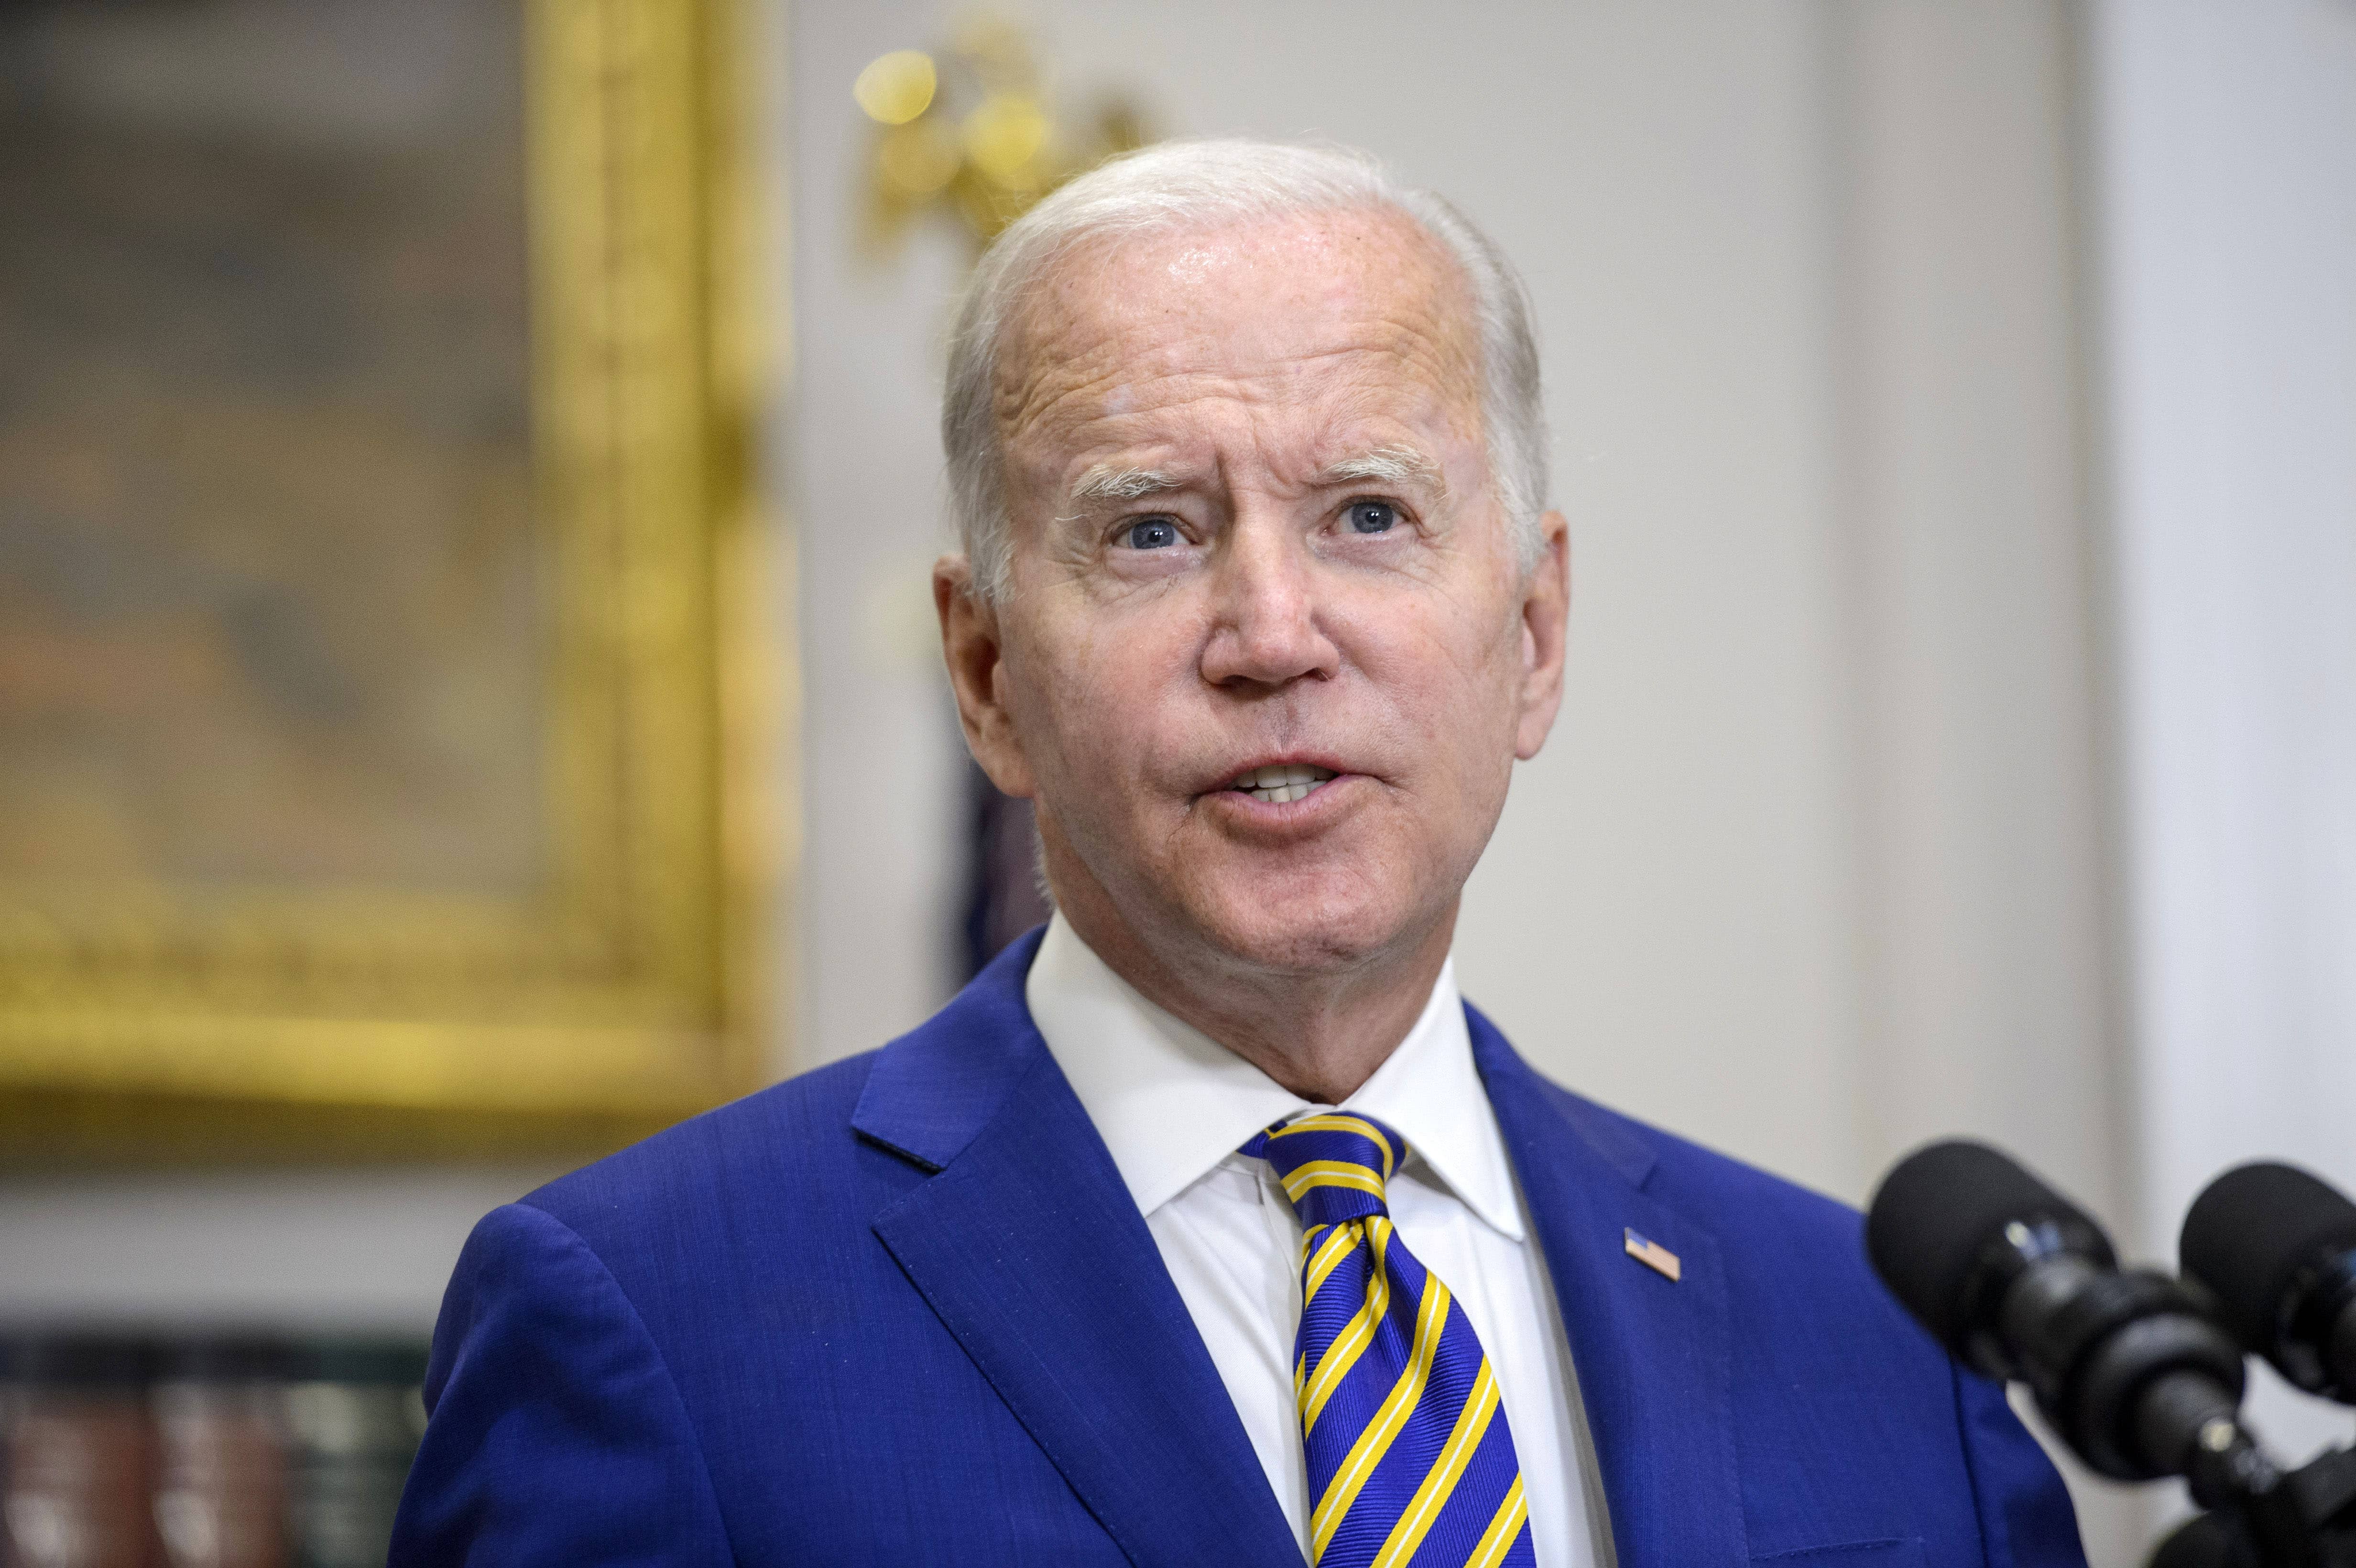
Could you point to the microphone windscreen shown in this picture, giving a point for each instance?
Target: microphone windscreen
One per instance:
(1934, 1215)
(2248, 1235)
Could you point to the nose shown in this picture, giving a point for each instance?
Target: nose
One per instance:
(1265, 631)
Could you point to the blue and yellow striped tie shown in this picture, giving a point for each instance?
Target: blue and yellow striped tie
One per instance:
(1410, 1461)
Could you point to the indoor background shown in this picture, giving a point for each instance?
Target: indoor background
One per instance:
(1954, 407)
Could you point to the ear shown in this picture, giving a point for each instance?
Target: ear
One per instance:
(972, 648)
(1546, 621)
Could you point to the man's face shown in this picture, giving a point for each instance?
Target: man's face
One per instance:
(1253, 530)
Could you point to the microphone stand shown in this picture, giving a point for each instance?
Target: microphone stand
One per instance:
(2261, 1517)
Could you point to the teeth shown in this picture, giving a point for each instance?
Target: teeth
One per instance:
(1283, 782)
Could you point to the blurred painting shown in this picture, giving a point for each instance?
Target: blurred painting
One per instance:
(270, 591)
(357, 396)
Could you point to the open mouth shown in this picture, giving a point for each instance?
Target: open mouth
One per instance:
(1282, 782)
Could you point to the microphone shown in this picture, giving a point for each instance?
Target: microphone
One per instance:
(2018, 1283)
(2205, 1541)
(2277, 1248)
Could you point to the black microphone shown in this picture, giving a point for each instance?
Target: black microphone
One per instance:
(2018, 1283)
(2205, 1541)
(2276, 1247)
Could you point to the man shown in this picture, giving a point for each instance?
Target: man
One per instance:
(1210, 1226)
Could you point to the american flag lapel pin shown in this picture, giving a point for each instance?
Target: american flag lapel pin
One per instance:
(1653, 1256)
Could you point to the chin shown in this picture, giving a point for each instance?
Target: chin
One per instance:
(1315, 935)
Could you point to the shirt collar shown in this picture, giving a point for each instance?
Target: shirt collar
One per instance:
(1171, 1102)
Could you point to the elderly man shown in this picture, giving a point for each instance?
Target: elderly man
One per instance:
(1209, 1225)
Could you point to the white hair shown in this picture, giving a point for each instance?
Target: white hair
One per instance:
(1180, 186)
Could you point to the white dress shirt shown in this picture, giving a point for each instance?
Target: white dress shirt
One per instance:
(1173, 1105)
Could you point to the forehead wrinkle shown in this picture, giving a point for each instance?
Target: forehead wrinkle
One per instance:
(1065, 346)
(1045, 408)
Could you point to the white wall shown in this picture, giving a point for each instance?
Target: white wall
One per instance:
(1970, 561)
(345, 1249)
(2226, 143)
(861, 473)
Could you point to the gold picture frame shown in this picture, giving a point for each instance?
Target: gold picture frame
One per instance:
(143, 1020)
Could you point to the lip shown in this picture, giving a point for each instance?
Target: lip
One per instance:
(1332, 764)
(1308, 813)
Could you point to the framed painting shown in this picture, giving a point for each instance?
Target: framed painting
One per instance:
(384, 654)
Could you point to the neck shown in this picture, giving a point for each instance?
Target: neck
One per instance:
(1319, 1034)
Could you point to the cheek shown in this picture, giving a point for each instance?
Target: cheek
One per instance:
(1098, 693)
(1452, 672)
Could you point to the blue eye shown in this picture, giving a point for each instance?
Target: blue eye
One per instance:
(1150, 533)
(1372, 516)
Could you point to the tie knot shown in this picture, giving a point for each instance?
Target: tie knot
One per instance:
(1332, 1166)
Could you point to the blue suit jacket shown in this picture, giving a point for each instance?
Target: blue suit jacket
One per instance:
(902, 1310)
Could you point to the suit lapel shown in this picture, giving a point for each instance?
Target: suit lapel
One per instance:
(1028, 1248)
(1653, 1356)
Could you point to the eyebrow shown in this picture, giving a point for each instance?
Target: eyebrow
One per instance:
(1105, 483)
(1395, 465)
